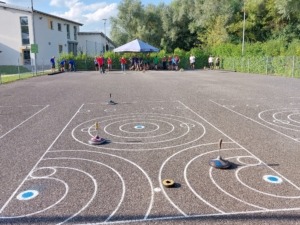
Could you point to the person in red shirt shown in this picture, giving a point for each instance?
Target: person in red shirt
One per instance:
(100, 61)
(109, 64)
(123, 64)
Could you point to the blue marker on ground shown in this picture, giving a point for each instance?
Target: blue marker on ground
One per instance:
(139, 127)
(272, 179)
(27, 195)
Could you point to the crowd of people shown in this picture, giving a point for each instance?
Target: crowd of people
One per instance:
(137, 63)
(213, 63)
(63, 65)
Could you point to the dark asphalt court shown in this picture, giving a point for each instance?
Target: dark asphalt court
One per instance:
(165, 125)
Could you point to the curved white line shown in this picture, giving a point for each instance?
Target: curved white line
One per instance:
(160, 174)
(105, 130)
(45, 209)
(267, 111)
(293, 114)
(232, 196)
(40, 168)
(134, 164)
(149, 149)
(261, 192)
(139, 132)
(192, 189)
(155, 142)
(277, 113)
(252, 164)
(95, 183)
(48, 149)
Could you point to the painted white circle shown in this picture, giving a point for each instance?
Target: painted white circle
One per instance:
(139, 126)
(27, 195)
(171, 133)
(249, 160)
(106, 128)
(272, 179)
(281, 118)
(43, 172)
(291, 117)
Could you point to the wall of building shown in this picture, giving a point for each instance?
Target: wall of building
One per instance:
(11, 37)
(92, 44)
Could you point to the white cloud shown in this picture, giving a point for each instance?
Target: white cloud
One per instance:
(91, 15)
(64, 3)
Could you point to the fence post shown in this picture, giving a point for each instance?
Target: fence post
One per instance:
(293, 68)
(267, 65)
(233, 65)
(248, 65)
(43, 66)
(0, 79)
(19, 68)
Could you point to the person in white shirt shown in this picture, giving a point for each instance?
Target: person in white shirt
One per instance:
(192, 61)
(211, 62)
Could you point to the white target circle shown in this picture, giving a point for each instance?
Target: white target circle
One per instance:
(136, 132)
(139, 127)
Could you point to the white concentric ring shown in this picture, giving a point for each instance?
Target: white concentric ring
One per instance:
(139, 129)
(139, 142)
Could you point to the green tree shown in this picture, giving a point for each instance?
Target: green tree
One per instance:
(124, 27)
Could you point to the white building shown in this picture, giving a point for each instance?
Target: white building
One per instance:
(31, 37)
(94, 43)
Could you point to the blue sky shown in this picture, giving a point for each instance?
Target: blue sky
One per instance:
(88, 12)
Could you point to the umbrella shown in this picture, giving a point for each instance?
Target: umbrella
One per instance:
(136, 46)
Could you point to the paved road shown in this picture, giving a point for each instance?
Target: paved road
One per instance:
(165, 125)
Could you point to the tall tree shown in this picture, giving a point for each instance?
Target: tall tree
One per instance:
(125, 25)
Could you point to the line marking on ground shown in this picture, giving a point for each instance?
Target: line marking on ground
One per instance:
(14, 193)
(23, 122)
(253, 120)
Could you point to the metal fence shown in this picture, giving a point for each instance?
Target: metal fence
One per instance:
(287, 66)
(10, 73)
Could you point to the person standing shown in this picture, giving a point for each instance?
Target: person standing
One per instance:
(52, 61)
(96, 64)
(192, 61)
(211, 62)
(100, 61)
(109, 64)
(123, 64)
(177, 60)
(164, 62)
(217, 62)
(170, 62)
(155, 62)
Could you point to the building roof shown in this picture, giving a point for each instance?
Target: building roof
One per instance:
(9, 6)
(97, 33)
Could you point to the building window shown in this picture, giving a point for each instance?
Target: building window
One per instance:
(59, 26)
(50, 24)
(60, 48)
(68, 31)
(24, 30)
(75, 33)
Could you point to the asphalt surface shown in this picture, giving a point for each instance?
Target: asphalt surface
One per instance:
(164, 125)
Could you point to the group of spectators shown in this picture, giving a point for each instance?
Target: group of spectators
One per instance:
(63, 65)
(137, 63)
(165, 63)
(213, 63)
(100, 64)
